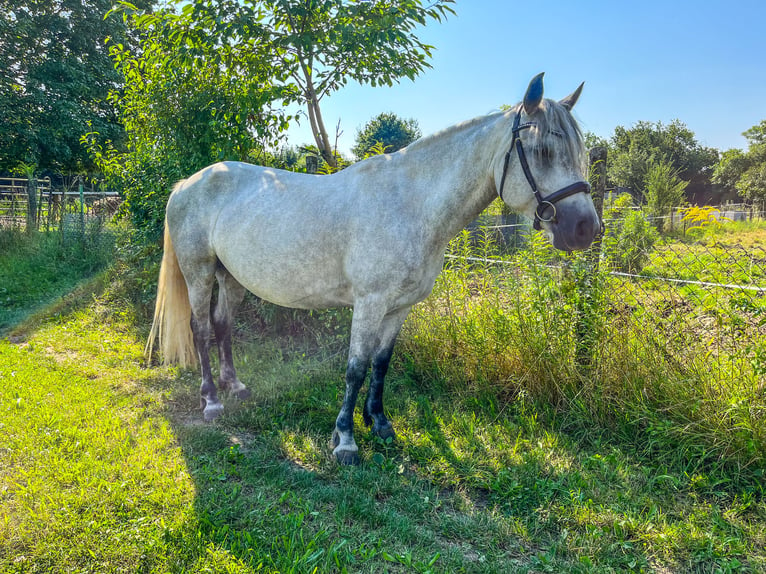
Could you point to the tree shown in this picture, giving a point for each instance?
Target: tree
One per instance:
(730, 168)
(324, 43)
(55, 74)
(189, 100)
(388, 129)
(635, 151)
(745, 172)
(208, 78)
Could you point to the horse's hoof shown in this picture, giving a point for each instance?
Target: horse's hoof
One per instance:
(347, 457)
(385, 432)
(212, 411)
(243, 394)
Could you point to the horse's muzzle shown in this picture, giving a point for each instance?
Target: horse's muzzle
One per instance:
(575, 232)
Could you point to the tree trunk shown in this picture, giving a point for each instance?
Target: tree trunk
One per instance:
(315, 117)
(320, 132)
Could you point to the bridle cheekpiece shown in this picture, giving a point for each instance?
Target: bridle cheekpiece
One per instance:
(543, 203)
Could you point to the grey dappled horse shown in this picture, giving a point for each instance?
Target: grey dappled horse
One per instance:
(372, 236)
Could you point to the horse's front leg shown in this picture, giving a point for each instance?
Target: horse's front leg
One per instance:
(368, 316)
(373, 407)
(345, 449)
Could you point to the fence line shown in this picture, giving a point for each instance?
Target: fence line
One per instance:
(703, 304)
(48, 207)
(491, 261)
(754, 288)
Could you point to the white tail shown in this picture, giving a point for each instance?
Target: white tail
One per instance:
(172, 313)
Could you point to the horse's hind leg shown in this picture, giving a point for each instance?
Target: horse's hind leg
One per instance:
(373, 407)
(200, 293)
(230, 295)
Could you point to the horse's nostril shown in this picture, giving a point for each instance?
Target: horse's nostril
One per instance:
(585, 229)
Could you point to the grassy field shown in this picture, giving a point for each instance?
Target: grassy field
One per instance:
(106, 466)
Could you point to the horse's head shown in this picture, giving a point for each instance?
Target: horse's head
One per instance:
(543, 173)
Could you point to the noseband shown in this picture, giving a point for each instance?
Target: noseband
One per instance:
(543, 203)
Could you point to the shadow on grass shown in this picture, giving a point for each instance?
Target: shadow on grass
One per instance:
(467, 486)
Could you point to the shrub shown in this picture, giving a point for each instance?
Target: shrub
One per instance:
(664, 191)
(629, 237)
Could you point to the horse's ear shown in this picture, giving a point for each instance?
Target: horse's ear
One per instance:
(570, 101)
(534, 94)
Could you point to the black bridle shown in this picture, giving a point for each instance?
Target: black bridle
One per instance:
(543, 203)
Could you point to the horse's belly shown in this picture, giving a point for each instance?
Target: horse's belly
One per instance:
(291, 281)
(303, 299)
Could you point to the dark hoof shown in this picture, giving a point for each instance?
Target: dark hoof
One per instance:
(347, 458)
(244, 394)
(344, 457)
(385, 432)
(212, 410)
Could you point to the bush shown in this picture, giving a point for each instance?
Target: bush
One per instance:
(629, 242)
(664, 191)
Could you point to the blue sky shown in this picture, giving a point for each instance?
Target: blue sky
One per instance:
(702, 62)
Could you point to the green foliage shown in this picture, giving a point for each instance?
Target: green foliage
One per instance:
(323, 45)
(387, 129)
(592, 140)
(629, 242)
(752, 184)
(634, 152)
(756, 135)
(745, 172)
(663, 191)
(728, 171)
(189, 101)
(314, 48)
(55, 75)
(378, 148)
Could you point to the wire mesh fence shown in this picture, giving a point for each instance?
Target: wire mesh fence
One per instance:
(78, 212)
(650, 301)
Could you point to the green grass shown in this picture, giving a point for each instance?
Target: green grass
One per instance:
(36, 269)
(106, 466)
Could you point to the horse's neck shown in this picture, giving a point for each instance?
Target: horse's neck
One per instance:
(462, 182)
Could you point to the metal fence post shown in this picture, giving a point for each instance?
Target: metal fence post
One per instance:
(82, 213)
(587, 279)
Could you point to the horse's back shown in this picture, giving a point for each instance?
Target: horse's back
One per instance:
(304, 241)
(275, 231)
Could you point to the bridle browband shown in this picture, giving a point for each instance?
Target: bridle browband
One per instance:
(543, 203)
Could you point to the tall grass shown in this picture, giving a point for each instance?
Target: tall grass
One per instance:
(670, 378)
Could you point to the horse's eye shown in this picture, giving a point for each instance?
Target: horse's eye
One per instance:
(546, 153)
